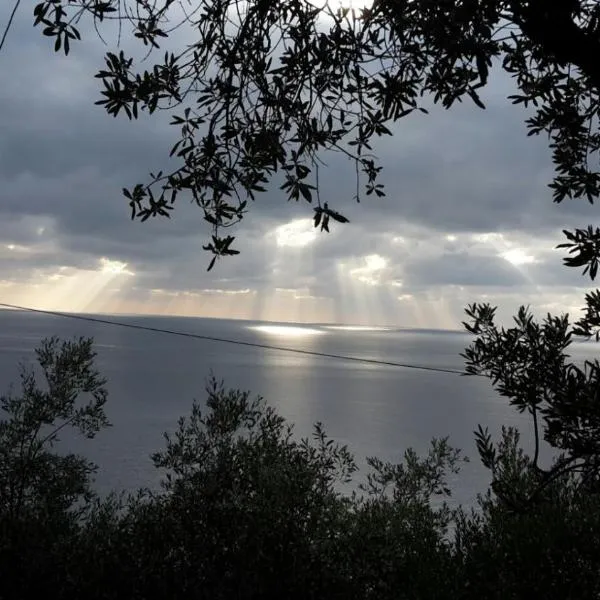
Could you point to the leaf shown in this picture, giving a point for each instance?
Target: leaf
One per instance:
(337, 216)
(482, 67)
(40, 12)
(575, 261)
(305, 191)
(317, 217)
(476, 98)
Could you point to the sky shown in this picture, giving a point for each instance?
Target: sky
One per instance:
(468, 216)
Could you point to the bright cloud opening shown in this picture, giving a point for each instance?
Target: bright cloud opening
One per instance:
(509, 250)
(518, 257)
(115, 267)
(371, 272)
(16, 248)
(296, 234)
(492, 238)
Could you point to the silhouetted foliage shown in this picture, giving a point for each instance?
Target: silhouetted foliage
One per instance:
(44, 494)
(248, 510)
(34, 479)
(528, 364)
(261, 95)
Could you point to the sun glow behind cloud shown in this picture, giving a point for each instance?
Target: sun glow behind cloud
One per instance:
(295, 234)
(508, 250)
(71, 289)
(288, 294)
(518, 256)
(366, 288)
(372, 271)
(114, 267)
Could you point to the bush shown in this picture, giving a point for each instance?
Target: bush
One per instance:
(248, 511)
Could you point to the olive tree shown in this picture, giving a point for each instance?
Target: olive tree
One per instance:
(45, 493)
(34, 477)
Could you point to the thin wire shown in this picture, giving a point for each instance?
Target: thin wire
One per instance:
(237, 342)
(10, 20)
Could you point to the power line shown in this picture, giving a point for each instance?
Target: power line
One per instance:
(10, 20)
(236, 342)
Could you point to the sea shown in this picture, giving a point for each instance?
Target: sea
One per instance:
(376, 409)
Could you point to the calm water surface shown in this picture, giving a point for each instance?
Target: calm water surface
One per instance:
(377, 410)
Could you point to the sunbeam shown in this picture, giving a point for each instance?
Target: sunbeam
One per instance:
(512, 253)
(364, 285)
(210, 302)
(289, 297)
(74, 290)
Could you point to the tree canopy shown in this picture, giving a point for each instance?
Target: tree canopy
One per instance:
(247, 509)
(264, 90)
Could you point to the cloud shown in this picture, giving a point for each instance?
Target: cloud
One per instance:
(467, 215)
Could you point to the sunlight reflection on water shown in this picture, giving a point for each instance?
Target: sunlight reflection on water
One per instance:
(356, 328)
(286, 331)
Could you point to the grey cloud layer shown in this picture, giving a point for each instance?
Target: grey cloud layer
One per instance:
(63, 163)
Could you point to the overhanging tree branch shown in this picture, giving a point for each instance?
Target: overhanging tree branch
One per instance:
(268, 88)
